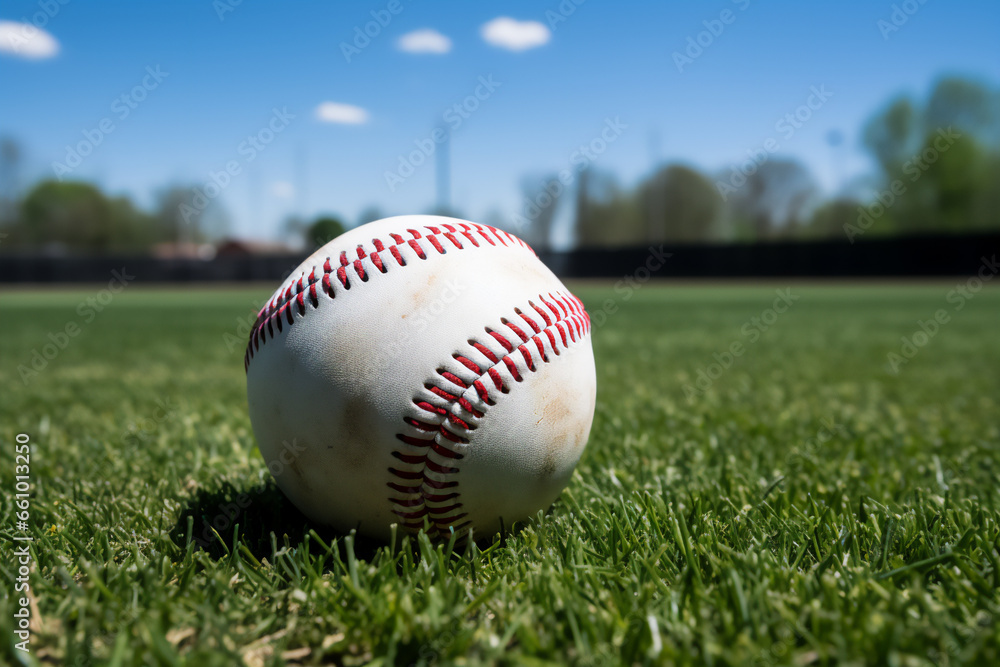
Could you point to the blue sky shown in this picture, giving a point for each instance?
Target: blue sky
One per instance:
(558, 84)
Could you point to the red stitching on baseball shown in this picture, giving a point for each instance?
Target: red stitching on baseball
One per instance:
(497, 380)
(484, 394)
(531, 322)
(437, 244)
(458, 417)
(468, 363)
(527, 357)
(545, 316)
(512, 367)
(500, 339)
(441, 392)
(359, 268)
(513, 327)
(484, 350)
(454, 379)
(416, 442)
(417, 249)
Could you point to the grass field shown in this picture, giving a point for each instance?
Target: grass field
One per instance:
(804, 506)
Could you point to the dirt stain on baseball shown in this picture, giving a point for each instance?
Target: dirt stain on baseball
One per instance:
(548, 468)
(423, 296)
(359, 436)
(296, 470)
(558, 413)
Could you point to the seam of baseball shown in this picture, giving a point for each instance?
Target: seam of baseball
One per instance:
(452, 404)
(285, 301)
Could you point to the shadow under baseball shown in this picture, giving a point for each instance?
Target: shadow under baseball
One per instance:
(218, 520)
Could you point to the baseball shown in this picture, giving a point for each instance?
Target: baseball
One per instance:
(421, 371)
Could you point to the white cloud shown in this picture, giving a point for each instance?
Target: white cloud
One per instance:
(347, 114)
(24, 40)
(513, 35)
(427, 40)
(282, 189)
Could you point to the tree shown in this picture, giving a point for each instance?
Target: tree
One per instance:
(942, 159)
(607, 215)
(680, 204)
(541, 198)
(777, 198)
(966, 105)
(185, 215)
(78, 216)
(10, 180)
(323, 230)
(830, 220)
(892, 135)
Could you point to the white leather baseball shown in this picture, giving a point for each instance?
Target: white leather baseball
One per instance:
(424, 371)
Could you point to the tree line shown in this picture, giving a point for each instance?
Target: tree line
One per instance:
(937, 170)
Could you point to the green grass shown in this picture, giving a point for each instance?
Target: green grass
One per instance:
(809, 508)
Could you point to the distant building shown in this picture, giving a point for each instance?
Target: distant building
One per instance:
(242, 247)
(183, 250)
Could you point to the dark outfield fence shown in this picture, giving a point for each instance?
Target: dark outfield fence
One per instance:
(914, 256)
